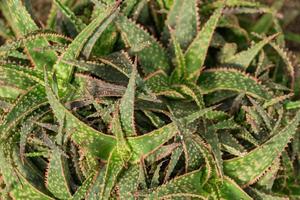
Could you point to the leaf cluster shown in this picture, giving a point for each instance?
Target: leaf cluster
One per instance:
(147, 99)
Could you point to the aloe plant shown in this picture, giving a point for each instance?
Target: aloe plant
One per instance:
(146, 100)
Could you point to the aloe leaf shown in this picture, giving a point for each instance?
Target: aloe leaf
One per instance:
(183, 18)
(22, 24)
(98, 88)
(56, 178)
(127, 105)
(57, 174)
(64, 71)
(155, 120)
(262, 113)
(193, 91)
(127, 183)
(237, 3)
(52, 16)
(180, 187)
(267, 20)
(211, 137)
(10, 92)
(25, 130)
(113, 169)
(19, 76)
(277, 100)
(128, 6)
(234, 80)
(203, 151)
(158, 82)
(103, 71)
(153, 57)
(244, 58)
(292, 105)
(95, 190)
(142, 145)
(18, 184)
(180, 69)
(286, 59)
(104, 44)
(123, 149)
(161, 152)
(83, 189)
(266, 182)
(230, 189)
(196, 53)
(145, 144)
(77, 22)
(103, 38)
(173, 162)
(156, 175)
(25, 105)
(247, 169)
(82, 134)
(230, 144)
(88, 163)
(10, 47)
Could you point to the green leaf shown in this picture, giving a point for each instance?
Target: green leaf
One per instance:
(153, 57)
(58, 174)
(64, 71)
(127, 105)
(17, 181)
(104, 44)
(122, 148)
(79, 25)
(186, 185)
(247, 169)
(10, 48)
(113, 169)
(94, 192)
(81, 133)
(173, 162)
(285, 58)
(230, 79)
(260, 195)
(52, 16)
(83, 189)
(103, 37)
(196, 52)
(22, 25)
(10, 92)
(244, 58)
(183, 19)
(193, 91)
(57, 179)
(19, 77)
(231, 190)
(292, 105)
(128, 183)
(237, 3)
(143, 145)
(26, 104)
(266, 182)
(264, 24)
(211, 137)
(180, 69)
(128, 6)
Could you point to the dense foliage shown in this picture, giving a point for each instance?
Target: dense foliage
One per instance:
(148, 99)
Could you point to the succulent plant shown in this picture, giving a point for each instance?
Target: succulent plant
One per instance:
(147, 100)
